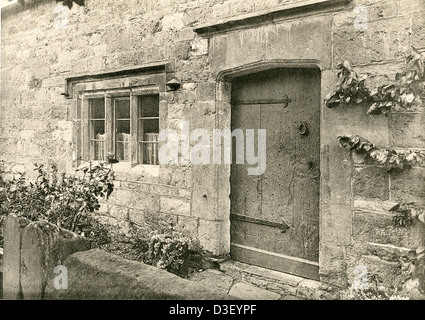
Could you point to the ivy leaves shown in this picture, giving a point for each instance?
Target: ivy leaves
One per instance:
(350, 87)
(408, 89)
(405, 213)
(356, 143)
(389, 158)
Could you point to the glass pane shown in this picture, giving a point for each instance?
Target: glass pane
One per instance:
(123, 151)
(97, 127)
(97, 108)
(97, 150)
(149, 126)
(149, 106)
(122, 109)
(122, 140)
(149, 152)
(97, 139)
(122, 126)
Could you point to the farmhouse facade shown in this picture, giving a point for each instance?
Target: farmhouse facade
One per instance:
(105, 79)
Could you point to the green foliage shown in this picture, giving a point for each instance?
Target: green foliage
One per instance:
(350, 87)
(372, 293)
(389, 158)
(169, 250)
(96, 232)
(405, 213)
(406, 91)
(60, 199)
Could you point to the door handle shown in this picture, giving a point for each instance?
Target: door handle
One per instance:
(302, 129)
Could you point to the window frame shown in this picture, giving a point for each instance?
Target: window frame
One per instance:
(134, 96)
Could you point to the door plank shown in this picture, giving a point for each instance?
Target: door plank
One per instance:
(275, 261)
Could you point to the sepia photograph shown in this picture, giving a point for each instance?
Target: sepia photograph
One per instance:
(212, 157)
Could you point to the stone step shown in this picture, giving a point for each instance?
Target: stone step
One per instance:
(249, 292)
(277, 283)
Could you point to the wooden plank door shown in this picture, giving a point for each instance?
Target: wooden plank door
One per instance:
(275, 216)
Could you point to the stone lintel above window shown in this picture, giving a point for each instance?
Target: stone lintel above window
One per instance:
(137, 76)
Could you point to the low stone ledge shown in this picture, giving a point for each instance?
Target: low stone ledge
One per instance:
(99, 275)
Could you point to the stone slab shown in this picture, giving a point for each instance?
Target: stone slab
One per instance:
(275, 275)
(13, 228)
(213, 279)
(248, 292)
(44, 246)
(99, 275)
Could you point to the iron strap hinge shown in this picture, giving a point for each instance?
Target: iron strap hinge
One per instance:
(282, 226)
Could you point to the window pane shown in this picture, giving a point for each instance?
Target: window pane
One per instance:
(122, 139)
(123, 151)
(97, 139)
(149, 151)
(97, 129)
(148, 129)
(97, 108)
(149, 106)
(122, 126)
(122, 109)
(149, 126)
(97, 149)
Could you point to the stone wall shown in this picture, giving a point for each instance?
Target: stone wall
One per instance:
(37, 123)
(379, 52)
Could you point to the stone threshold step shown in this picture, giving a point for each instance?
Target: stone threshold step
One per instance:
(274, 281)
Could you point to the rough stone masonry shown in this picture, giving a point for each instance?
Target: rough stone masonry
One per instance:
(38, 124)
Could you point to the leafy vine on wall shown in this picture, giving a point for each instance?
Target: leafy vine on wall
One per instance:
(406, 92)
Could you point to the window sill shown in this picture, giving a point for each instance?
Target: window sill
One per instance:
(139, 169)
(126, 167)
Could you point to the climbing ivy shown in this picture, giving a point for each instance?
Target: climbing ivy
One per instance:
(406, 91)
(405, 213)
(350, 87)
(387, 157)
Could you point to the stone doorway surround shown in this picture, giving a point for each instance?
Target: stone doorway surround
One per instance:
(297, 41)
(235, 276)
